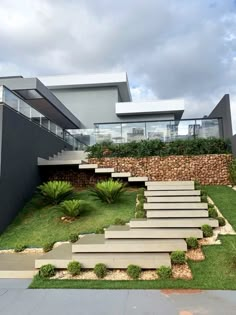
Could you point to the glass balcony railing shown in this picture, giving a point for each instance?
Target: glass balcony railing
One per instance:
(13, 101)
(164, 130)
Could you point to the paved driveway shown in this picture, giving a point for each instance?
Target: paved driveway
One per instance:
(16, 299)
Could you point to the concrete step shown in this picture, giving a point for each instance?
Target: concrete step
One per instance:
(174, 199)
(172, 222)
(173, 206)
(121, 174)
(104, 170)
(170, 187)
(153, 193)
(177, 214)
(121, 232)
(43, 162)
(88, 166)
(95, 243)
(138, 179)
(170, 183)
(123, 260)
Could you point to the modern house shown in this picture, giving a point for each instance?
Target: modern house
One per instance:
(40, 117)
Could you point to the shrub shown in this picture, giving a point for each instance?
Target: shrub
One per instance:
(134, 271)
(99, 231)
(100, 270)
(140, 214)
(139, 207)
(108, 191)
(212, 213)
(73, 237)
(47, 271)
(48, 247)
(192, 242)
(156, 147)
(232, 172)
(207, 230)
(119, 221)
(203, 192)
(19, 248)
(73, 208)
(204, 198)
(178, 257)
(221, 221)
(55, 191)
(74, 268)
(164, 272)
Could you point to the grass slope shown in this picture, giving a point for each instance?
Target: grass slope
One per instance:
(225, 199)
(38, 224)
(217, 271)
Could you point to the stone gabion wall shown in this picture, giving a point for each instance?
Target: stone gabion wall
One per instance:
(206, 169)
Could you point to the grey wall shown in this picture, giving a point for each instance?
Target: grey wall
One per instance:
(22, 142)
(97, 105)
(222, 109)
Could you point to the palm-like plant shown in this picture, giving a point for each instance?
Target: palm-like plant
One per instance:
(55, 191)
(71, 208)
(108, 191)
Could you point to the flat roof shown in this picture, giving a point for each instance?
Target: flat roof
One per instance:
(173, 106)
(119, 80)
(42, 99)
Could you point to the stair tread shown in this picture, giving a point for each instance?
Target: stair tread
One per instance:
(176, 213)
(163, 193)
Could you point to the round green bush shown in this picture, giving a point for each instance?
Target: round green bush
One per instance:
(74, 268)
(134, 271)
(164, 272)
(192, 242)
(212, 213)
(99, 231)
(100, 270)
(73, 237)
(207, 230)
(48, 247)
(221, 221)
(140, 214)
(178, 257)
(47, 271)
(19, 248)
(119, 221)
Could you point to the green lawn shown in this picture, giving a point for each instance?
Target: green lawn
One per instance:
(217, 271)
(38, 224)
(225, 199)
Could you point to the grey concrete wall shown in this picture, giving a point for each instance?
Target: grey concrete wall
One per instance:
(222, 109)
(97, 105)
(22, 142)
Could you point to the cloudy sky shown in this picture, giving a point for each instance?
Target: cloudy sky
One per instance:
(170, 48)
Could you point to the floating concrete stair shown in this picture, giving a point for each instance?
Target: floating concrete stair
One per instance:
(88, 166)
(175, 206)
(172, 223)
(156, 193)
(104, 170)
(123, 260)
(96, 243)
(121, 174)
(44, 162)
(138, 179)
(125, 232)
(172, 199)
(177, 214)
(170, 187)
(170, 183)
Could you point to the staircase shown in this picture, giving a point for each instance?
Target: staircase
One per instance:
(174, 212)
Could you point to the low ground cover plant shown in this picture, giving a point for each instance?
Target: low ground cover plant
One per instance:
(20, 248)
(212, 212)
(73, 237)
(48, 247)
(55, 191)
(221, 221)
(47, 271)
(139, 209)
(100, 270)
(232, 172)
(164, 272)
(207, 230)
(134, 271)
(178, 257)
(74, 268)
(156, 147)
(108, 191)
(192, 242)
(119, 221)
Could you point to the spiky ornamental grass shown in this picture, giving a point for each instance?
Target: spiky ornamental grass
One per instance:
(55, 191)
(108, 191)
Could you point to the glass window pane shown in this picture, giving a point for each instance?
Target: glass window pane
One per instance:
(11, 99)
(45, 122)
(208, 128)
(187, 129)
(133, 131)
(25, 109)
(108, 132)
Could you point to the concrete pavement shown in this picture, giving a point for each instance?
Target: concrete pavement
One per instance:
(16, 299)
